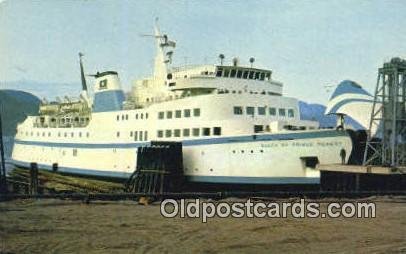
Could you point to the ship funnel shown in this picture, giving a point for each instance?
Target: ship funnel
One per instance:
(82, 73)
(108, 95)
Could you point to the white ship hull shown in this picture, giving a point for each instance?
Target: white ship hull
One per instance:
(259, 159)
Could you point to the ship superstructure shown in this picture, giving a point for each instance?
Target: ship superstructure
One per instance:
(233, 121)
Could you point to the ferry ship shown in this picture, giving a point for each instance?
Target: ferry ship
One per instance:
(235, 125)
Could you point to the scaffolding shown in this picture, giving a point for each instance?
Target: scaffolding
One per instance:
(388, 146)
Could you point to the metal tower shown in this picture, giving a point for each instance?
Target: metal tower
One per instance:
(388, 148)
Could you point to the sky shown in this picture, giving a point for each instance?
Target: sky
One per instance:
(307, 44)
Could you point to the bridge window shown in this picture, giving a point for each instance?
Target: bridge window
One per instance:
(186, 113)
(176, 133)
(196, 112)
(196, 132)
(261, 111)
(282, 112)
(217, 131)
(232, 73)
(178, 113)
(226, 73)
(168, 133)
(160, 134)
(291, 113)
(206, 131)
(237, 110)
(161, 115)
(245, 75)
(262, 77)
(268, 76)
(250, 110)
(257, 75)
(272, 111)
(186, 132)
(239, 73)
(169, 114)
(251, 76)
(219, 72)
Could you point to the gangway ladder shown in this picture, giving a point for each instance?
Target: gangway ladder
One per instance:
(388, 116)
(159, 169)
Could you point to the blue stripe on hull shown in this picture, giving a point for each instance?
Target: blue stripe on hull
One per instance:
(201, 179)
(196, 142)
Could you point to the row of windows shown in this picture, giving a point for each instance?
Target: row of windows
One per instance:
(195, 132)
(178, 113)
(238, 110)
(66, 134)
(137, 135)
(221, 91)
(137, 116)
(244, 74)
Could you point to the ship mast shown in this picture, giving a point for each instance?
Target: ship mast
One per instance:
(164, 54)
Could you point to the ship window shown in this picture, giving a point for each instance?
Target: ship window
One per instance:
(217, 131)
(75, 152)
(140, 135)
(118, 118)
(282, 112)
(226, 73)
(142, 115)
(258, 128)
(65, 134)
(206, 131)
(250, 110)
(239, 73)
(261, 111)
(80, 134)
(251, 75)
(118, 134)
(186, 132)
(176, 133)
(136, 116)
(291, 113)
(160, 134)
(71, 134)
(262, 76)
(135, 135)
(268, 76)
(196, 132)
(87, 135)
(245, 75)
(237, 110)
(145, 135)
(168, 133)
(219, 72)
(126, 117)
(196, 112)
(161, 115)
(186, 113)
(169, 114)
(272, 111)
(59, 134)
(131, 133)
(257, 75)
(232, 73)
(122, 117)
(146, 115)
(178, 113)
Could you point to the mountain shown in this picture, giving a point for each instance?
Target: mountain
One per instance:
(15, 106)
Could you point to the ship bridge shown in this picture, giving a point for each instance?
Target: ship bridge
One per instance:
(207, 78)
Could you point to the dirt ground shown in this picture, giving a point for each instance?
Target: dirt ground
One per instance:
(57, 226)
